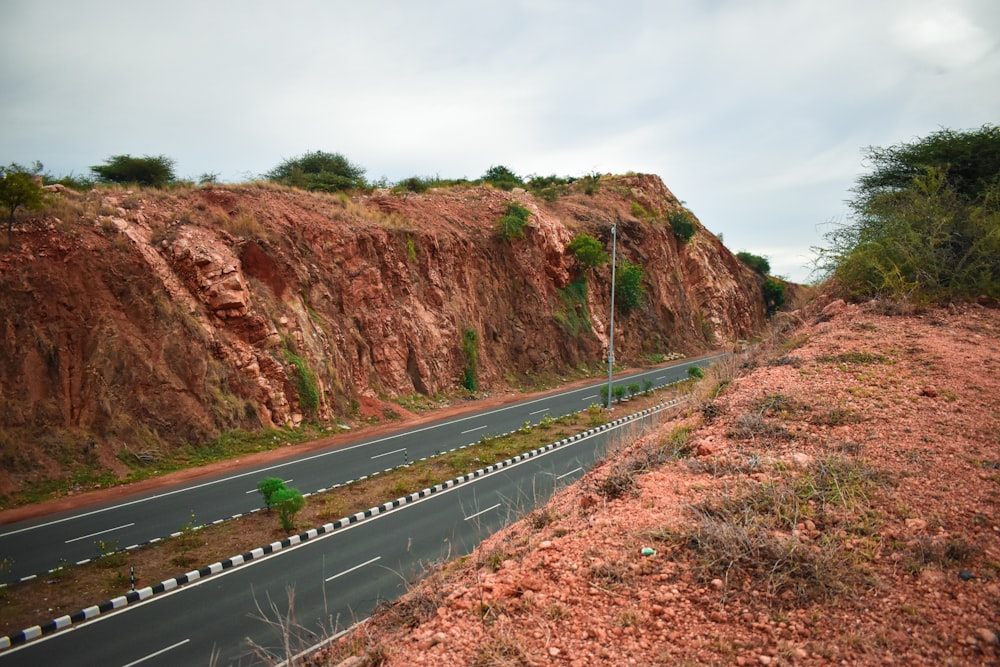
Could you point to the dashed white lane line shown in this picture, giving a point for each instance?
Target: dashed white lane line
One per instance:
(160, 652)
(352, 569)
(478, 428)
(395, 451)
(488, 509)
(100, 532)
(567, 474)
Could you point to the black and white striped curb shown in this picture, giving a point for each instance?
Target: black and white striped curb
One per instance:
(62, 622)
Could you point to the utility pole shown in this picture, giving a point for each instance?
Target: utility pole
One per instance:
(611, 337)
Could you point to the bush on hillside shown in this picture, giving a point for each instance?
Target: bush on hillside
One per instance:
(682, 224)
(925, 222)
(588, 251)
(628, 287)
(755, 262)
(501, 177)
(511, 225)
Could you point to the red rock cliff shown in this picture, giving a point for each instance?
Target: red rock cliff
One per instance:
(137, 320)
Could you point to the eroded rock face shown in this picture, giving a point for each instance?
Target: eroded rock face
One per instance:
(211, 271)
(182, 316)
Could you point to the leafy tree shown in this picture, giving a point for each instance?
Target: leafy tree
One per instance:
(774, 295)
(588, 251)
(18, 189)
(755, 262)
(515, 219)
(502, 177)
(925, 223)
(268, 487)
(153, 171)
(628, 287)
(288, 503)
(970, 158)
(325, 172)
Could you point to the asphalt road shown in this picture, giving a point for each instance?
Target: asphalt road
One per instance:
(335, 580)
(38, 545)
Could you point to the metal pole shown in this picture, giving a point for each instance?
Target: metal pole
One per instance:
(611, 338)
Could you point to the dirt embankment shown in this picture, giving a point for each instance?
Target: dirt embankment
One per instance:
(831, 500)
(133, 322)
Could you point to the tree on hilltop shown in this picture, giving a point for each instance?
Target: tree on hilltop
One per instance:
(325, 172)
(154, 171)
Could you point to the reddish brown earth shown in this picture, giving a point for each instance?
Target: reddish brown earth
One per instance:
(869, 445)
(135, 322)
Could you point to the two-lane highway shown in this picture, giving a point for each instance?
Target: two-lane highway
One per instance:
(337, 579)
(41, 544)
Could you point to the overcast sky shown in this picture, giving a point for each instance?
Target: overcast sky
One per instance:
(754, 113)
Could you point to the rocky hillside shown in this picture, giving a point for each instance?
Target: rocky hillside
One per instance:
(134, 321)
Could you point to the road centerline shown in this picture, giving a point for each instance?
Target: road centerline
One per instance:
(478, 428)
(567, 474)
(537, 412)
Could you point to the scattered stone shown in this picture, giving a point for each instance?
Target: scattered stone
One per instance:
(916, 524)
(987, 636)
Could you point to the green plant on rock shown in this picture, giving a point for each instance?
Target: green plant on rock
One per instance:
(588, 251)
(628, 287)
(682, 224)
(511, 225)
(305, 384)
(501, 177)
(774, 295)
(755, 262)
(470, 351)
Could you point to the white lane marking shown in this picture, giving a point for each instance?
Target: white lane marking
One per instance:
(588, 398)
(160, 652)
(338, 450)
(537, 412)
(356, 567)
(287, 481)
(660, 377)
(257, 561)
(488, 509)
(395, 451)
(100, 532)
(567, 474)
(478, 428)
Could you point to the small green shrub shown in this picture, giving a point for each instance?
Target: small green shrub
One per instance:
(682, 224)
(695, 372)
(288, 503)
(755, 262)
(501, 177)
(305, 384)
(588, 251)
(268, 487)
(511, 225)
